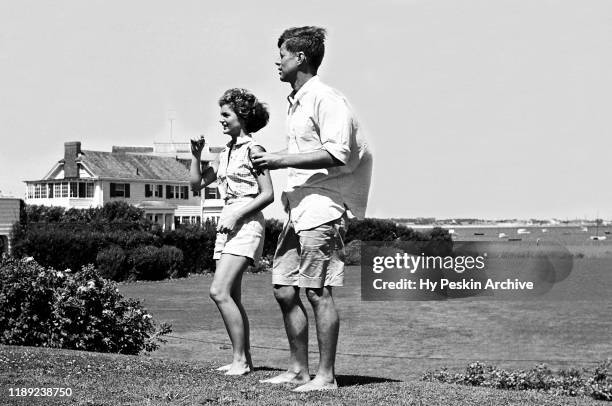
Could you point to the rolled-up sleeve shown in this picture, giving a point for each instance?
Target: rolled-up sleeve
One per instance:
(335, 123)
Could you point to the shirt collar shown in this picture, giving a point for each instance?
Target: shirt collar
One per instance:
(306, 87)
(241, 140)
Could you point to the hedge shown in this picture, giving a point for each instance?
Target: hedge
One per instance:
(125, 246)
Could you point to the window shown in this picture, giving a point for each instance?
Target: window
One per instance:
(37, 191)
(74, 189)
(30, 191)
(82, 189)
(89, 190)
(211, 193)
(159, 191)
(196, 193)
(119, 190)
(177, 192)
(50, 190)
(148, 190)
(57, 189)
(64, 189)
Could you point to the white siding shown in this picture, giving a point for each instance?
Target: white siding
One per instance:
(188, 211)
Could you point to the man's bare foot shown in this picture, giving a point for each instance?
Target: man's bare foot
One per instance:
(238, 369)
(287, 377)
(317, 384)
(224, 368)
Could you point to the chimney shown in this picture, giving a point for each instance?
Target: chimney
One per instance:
(71, 153)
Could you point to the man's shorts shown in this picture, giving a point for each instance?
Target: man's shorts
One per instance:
(310, 258)
(246, 239)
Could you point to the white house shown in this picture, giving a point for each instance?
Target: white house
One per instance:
(154, 180)
(10, 208)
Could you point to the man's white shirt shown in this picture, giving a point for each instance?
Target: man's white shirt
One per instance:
(320, 118)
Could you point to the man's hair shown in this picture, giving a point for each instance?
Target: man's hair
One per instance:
(253, 113)
(309, 40)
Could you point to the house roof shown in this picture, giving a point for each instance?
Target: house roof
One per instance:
(134, 166)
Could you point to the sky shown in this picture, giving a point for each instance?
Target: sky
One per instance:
(486, 109)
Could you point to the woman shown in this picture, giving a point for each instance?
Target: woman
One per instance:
(240, 231)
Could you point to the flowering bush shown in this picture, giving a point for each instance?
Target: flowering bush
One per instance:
(567, 382)
(75, 310)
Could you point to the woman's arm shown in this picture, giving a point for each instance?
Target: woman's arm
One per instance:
(200, 174)
(262, 200)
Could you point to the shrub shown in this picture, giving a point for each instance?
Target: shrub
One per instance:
(111, 263)
(353, 252)
(197, 245)
(57, 247)
(263, 265)
(43, 307)
(145, 264)
(172, 258)
(273, 229)
(371, 229)
(541, 378)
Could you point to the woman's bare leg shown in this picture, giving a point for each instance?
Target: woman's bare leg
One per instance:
(229, 271)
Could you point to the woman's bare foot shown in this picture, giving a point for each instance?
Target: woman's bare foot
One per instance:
(288, 377)
(238, 369)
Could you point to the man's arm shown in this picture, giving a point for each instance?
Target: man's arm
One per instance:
(308, 160)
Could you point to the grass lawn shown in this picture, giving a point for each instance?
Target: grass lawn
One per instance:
(105, 379)
(570, 326)
(384, 347)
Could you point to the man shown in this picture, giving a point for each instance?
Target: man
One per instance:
(329, 170)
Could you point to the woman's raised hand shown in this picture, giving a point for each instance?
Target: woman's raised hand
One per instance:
(197, 145)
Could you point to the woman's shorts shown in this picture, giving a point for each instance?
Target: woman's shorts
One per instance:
(246, 239)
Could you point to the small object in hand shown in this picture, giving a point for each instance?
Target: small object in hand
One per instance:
(198, 142)
(197, 145)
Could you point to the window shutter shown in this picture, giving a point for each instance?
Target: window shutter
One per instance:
(127, 190)
(112, 190)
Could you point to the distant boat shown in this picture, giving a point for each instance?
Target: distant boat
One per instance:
(584, 229)
(502, 235)
(515, 239)
(598, 237)
(545, 230)
(606, 232)
(523, 231)
(479, 234)
(451, 231)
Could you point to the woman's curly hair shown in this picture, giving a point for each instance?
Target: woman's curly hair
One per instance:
(253, 113)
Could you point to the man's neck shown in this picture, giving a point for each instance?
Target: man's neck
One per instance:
(301, 78)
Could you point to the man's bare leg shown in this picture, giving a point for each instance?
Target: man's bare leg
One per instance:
(296, 327)
(328, 325)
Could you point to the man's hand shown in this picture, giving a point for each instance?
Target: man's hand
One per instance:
(267, 160)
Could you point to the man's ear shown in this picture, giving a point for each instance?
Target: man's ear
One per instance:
(301, 57)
